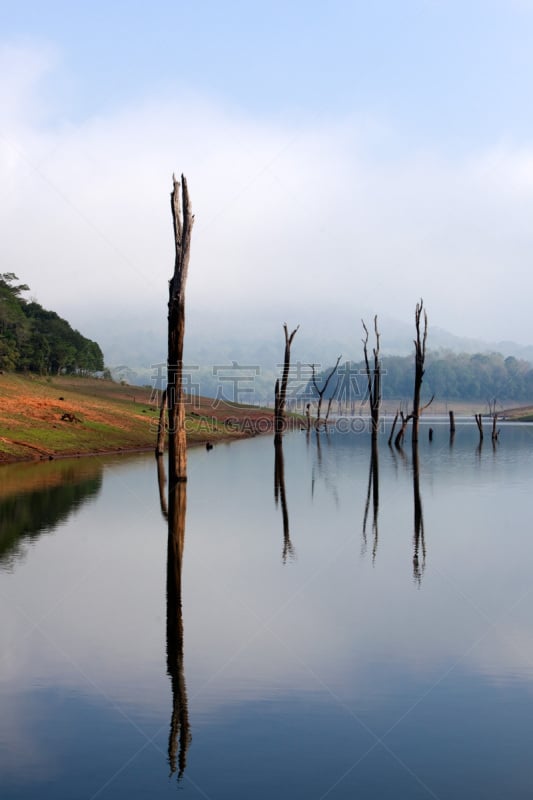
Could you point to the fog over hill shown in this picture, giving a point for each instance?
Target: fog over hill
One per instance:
(216, 339)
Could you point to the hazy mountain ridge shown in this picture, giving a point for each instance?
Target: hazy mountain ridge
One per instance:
(218, 355)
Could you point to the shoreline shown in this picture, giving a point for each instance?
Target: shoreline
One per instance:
(60, 417)
(49, 418)
(64, 455)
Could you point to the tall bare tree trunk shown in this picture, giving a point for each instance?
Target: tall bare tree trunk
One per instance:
(280, 391)
(373, 377)
(161, 427)
(395, 420)
(495, 433)
(452, 426)
(321, 392)
(420, 356)
(398, 441)
(161, 483)
(479, 423)
(177, 444)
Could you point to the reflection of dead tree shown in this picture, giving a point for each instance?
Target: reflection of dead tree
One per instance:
(319, 473)
(177, 447)
(419, 543)
(373, 378)
(318, 462)
(280, 391)
(320, 392)
(420, 357)
(280, 496)
(180, 734)
(373, 488)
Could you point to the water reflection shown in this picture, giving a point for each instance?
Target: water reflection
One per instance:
(321, 468)
(35, 499)
(372, 490)
(174, 512)
(280, 496)
(265, 709)
(419, 542)
(179, 737)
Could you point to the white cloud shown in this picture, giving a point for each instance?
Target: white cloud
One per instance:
(314, 212)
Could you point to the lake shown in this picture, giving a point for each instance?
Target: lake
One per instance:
(319, 627)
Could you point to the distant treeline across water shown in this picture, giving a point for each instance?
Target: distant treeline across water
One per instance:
(450, 376)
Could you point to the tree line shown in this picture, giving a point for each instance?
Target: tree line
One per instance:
(37, 340)
(448, 376)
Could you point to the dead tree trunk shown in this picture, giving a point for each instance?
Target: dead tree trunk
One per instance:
(479, 423)
(398, 441)
(280, 391)
(320, 392)
(183, 222)
(495, 433)
(420, 357)
(330, 401)
(452, 426)
(373, 377)
(161, 426)
(161, 481)
(393, 427)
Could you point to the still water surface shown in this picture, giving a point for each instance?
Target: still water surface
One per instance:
(353, 639)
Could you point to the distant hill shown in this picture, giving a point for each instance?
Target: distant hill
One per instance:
(258, 338)
(256, 342)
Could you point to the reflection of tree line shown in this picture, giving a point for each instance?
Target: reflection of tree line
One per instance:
(27, 514)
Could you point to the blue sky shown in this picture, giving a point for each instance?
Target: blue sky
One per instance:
(365, 154)
(455, 72)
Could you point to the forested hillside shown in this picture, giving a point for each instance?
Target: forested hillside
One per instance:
(35, 339)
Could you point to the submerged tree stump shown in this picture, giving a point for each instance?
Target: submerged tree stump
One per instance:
(479, 423)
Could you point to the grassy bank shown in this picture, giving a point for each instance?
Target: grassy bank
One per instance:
(521, 414)
(68, 416)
